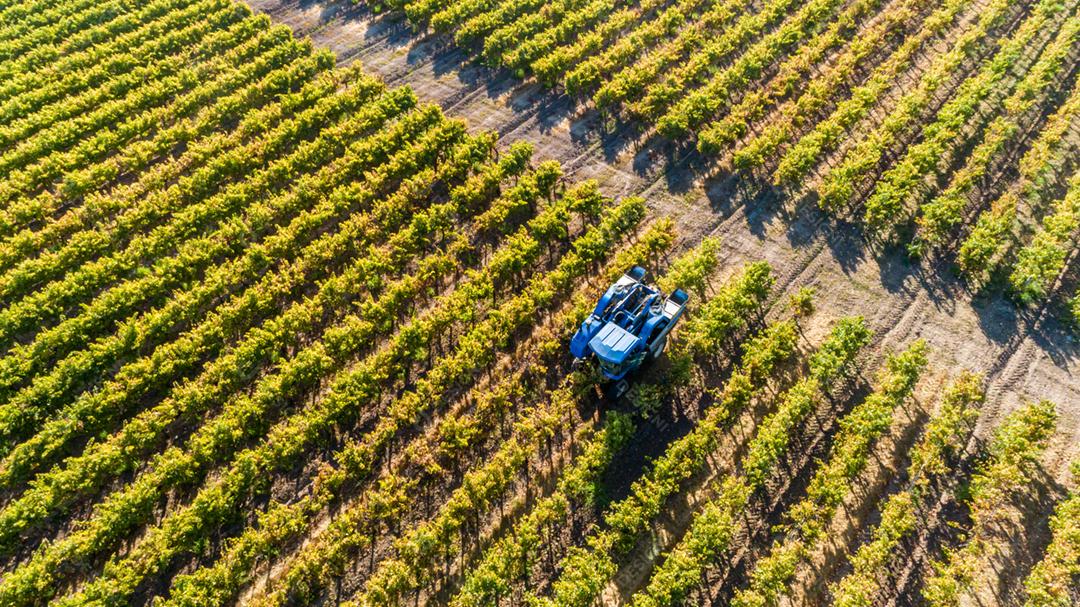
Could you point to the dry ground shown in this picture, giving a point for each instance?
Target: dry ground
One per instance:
(1026, 354)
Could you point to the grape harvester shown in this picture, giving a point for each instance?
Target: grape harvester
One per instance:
(629, 326)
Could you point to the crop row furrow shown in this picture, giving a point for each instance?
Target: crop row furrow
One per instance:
(124, 510)
(807, 520)
(612, 43)
(193, 258)
(165, 126)
(945, 212)
(53, 103)
(28, 26)
(1048, 584)
(697, 107)
(931, 460)
(598, 21)
(509, 37)
(999, 228)
(356, 460)
(902, 188)
(827, 134)
(841, 183)
(716, 50)
(143, 208)
(271, 534)
(86, 48)
(184, 355)
(267, 103)
(583, 74)
(631, 82)
(1042, 259)
(32, 157)
(174, 88)
(712, 528)
(586, 570)
(755, 105)
(509, 559)
(477, 27)
(364, 383)
(1005, 474)
(36, 23)
(365, 282)
(419, 551)
(315, 137)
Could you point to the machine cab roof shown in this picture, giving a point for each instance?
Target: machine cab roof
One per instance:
(630, 322)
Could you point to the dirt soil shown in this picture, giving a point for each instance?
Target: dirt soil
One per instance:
(1025, 354)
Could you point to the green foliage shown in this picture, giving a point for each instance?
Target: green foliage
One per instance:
(901, 189)
(706, 332)
(581, 483)
(713, 526)
(692, 109)
(399, 168)
(629, 518)
(831, 483)
(1072, 312)
(803, 97)
(801, 302)
(834, 357)
(221, 255)
(1017, 443)
(482, 486)
(842, 181)
(691, 272)
(1052, 582)
(938, 217)
(931, 458)
(827, 134)
(942, 440)
(1039, 263)
(995, 233)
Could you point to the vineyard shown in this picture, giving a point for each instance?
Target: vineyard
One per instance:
(970, 162)
(279, 328)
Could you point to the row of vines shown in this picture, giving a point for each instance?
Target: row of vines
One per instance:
(948, 130)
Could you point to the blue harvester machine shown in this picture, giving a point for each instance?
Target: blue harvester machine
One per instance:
(629, 325)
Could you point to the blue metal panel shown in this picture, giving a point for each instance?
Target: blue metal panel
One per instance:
(613, 344)
(625, 319)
